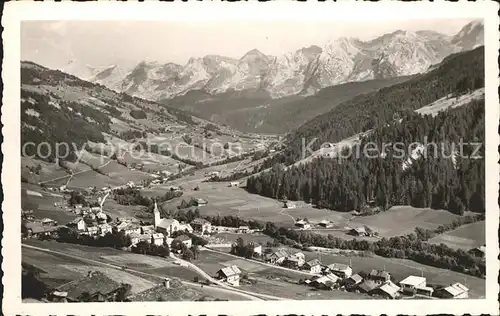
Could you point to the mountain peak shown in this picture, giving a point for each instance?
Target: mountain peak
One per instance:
(254, 53)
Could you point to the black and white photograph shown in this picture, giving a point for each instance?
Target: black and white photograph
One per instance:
(241, 160)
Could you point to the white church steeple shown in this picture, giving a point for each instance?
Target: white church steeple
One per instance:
(156, 213)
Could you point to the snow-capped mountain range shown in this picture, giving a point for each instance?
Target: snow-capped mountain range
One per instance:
(303, 71)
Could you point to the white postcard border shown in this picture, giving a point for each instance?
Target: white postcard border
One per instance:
(15, 12)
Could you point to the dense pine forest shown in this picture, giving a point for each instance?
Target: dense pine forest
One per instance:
(442, 178)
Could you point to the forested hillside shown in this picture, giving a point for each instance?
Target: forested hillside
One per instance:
(457, 73)
(435, 180)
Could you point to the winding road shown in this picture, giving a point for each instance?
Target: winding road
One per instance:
(221, 287)
(222, 284)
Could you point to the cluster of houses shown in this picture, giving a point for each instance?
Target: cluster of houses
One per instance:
(304, 224)
(91, 221)
(158, 234)
(376, 283)
(160, 177)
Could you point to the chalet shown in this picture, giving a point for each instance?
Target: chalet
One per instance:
(479, 252)
(455, 290)
(292, 262)
(186, 240)
(147, 229)
(132, 229)
(341, 270)
(95, 287)
(230, 274)
(124, 220)
(325, 282)
(145, 237)
(185, 227)
(130, 184)
(122, 226)
(313, 266)
(95, 209)
(387, 290)
(200, 202)
(295, 261)
(325, 224)
(58, 297)
(302, 224)
(277, 257)
(201, 225)
(358, 231)
(414, 284)
(92, 231)
(101, 216)
(257, 250)
(48, 222)
(79, 224)
(379, 276)
(289, 204)
(37, 230)
(105, 228)
(134, 238)
(352, 281)
(157, 239)
(367, 286)
(243, 229)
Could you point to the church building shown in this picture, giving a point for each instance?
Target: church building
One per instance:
(164, 225)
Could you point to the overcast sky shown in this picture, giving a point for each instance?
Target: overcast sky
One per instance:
(53, 43)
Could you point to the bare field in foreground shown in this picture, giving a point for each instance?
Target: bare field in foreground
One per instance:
(162, 267)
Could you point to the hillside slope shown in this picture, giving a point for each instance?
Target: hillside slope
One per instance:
(57, 107)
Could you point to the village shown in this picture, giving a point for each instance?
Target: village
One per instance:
(184, 239)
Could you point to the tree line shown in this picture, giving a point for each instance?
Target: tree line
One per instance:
(404, 247)
(115, 239)
(441, 178)
(147, 248)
